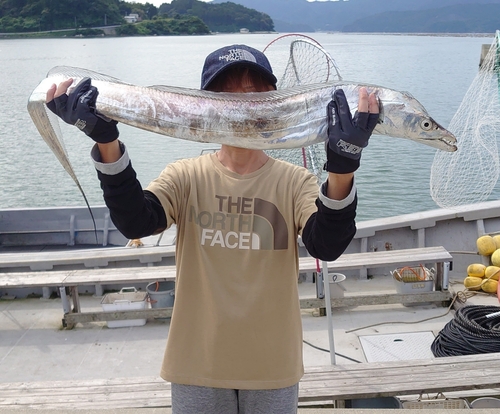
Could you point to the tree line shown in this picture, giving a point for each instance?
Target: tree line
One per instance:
(85, 16)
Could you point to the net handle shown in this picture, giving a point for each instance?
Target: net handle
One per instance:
(290, 35)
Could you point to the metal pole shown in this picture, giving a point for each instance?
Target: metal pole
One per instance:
(328, 305)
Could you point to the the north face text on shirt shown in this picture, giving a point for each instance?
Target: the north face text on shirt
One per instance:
(241, 223)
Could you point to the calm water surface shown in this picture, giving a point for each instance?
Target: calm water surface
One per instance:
(393, 179)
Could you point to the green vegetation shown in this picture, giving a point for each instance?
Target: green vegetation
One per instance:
(164, 26)
(225, 17)
(41, 15)
(61, 18)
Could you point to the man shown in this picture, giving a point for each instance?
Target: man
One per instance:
(235, 339)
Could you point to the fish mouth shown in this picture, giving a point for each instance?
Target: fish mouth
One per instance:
(447, 142)
(447, 139)
(444, 145)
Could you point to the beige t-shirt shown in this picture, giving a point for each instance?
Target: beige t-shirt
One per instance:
(236, 321)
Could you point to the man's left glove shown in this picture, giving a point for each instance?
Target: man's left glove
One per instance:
(78, 109)
(347, 136)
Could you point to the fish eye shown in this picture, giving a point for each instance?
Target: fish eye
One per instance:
(426, 125)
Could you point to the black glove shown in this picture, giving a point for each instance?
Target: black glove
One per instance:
(78, 109)
(347, 136)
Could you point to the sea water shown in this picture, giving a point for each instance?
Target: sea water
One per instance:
(394, 174)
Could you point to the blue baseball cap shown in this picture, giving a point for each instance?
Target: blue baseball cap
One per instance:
(235, 55)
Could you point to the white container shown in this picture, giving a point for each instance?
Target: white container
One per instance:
(127, 299)
(485, 402)
(408, 288)
(336, 288)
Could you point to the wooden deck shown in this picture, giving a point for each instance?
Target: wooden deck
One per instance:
(319, 384)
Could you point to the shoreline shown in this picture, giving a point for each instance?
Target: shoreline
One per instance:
(76, 35)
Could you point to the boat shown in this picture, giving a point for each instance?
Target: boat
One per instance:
(49, 230)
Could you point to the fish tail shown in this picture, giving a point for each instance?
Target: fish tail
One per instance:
(47, 124)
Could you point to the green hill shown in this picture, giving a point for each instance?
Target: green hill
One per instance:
(38, 15)
(179, 17)
(225, 17)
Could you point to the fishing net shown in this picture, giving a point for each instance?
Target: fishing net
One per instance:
(300, 60)
(470, 174)
(305, 63)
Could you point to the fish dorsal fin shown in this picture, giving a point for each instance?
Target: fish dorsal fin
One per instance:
(73, 72)
(408, 94)
(247, 96)
(160, 87)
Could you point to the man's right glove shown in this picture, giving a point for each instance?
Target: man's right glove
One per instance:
(347, 136)
(78, 109)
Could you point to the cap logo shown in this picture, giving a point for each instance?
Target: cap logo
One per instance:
(238, 54)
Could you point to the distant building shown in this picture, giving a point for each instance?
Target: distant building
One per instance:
(132, 18)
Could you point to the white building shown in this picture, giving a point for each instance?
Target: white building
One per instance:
(132, 18)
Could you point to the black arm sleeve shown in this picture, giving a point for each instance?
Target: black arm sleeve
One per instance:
(135, 212)
(328, 232)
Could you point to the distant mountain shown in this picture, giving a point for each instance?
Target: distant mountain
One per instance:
(464, 18)
(298, 15)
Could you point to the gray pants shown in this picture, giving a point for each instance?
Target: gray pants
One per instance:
(190, 399)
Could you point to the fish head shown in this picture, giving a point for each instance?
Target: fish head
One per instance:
(402, 116)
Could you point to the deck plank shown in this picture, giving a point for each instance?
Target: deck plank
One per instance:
(87, 257)
(335, 382)
(353, 261)
(120, 275)
(86, 276)
(32, 279)
(387, 379)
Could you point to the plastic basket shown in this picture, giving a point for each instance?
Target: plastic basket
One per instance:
(127, 299)
(411, 280)
(440, 402)
(409, 274)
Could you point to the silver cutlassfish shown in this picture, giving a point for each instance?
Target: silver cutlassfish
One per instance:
(287, 118)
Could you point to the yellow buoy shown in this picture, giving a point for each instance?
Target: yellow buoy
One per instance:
(496, 239)
(476, 270)
(486, 245)
(495, 258)
(473, 283)
(492, 272)
(490, 286)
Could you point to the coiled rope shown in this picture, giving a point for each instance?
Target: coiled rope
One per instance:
(475, 329)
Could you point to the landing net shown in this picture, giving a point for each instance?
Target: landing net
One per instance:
(470, 174)
(305, 63)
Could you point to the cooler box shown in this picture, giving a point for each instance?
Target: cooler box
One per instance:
(127, 299)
